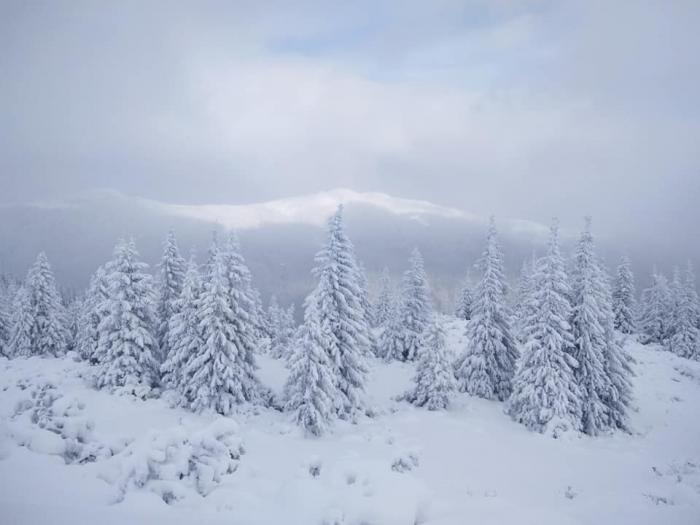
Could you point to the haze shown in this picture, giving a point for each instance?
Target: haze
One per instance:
(522, 109)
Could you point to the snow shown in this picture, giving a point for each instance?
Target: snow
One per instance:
(468, 464)
(312, 209)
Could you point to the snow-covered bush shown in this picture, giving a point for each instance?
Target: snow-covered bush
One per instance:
(63, 429)
(174, 463)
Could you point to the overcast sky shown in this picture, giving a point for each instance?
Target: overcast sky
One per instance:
(523, 109)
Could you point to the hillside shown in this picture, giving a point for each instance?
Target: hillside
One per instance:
(470, 464)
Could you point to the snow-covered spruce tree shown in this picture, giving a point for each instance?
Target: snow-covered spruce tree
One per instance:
(48, 333)
(5, 319)
(434, 378)
(546, 397)
(244, 300)
(92, 310)
(183, 336)
(126, 333)
(391, 342)
(414, 310)
(274, 316)
(487, 366)
(284, 334)
(655, 310)
(221, 372)
(675, 295)
(337, 300)
(623, 298)
(372, 348)
(603, 368)
(618, 366)
(310, 391)
(463, 306)
(171, 275)
(685, 339)
(522, 309)
(384, 304)
(20, 342)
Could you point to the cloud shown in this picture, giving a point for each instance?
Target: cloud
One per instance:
(527, 109)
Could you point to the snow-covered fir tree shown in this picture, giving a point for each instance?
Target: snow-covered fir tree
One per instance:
(244, 299)
(274, 316)
(414, 311)
(685, 337)
(44, 316)
(589, 336)
(310, 390)
(20, 342)
(655, 311)
(523, 298)
(221, 373)
(618, 367)
(171, 275)
(366, 308)
(546, 397)
(183, 335)
(5, 319)
(384, 304)
(603, 368)
(338, 302)
(463, 306)
(624, 298)
(284, 332)
(126, 332)
(487, 365)
(434, 379)
(92, 310)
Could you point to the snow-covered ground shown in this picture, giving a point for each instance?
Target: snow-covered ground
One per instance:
(94, 459)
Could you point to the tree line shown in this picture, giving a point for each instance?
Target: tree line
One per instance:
(554, 357)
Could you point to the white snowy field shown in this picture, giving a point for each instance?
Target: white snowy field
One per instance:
(471, 464)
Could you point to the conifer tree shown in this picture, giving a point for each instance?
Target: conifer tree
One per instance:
(337, 299)
(383, 307)
(463, 308)
(391, 340)
(655, 310)
(183, 336)
(20, 343)
(221, 373)
(623, 298)
(44, 316)
(310, 390)
(523, 300)
(434, 379)
(91, 312)
(603, 368)
(284, 332)
(685, 339)
(487, 366)
(371, 348)
(414, 310)
(243, 296)
(274, 316)
(5, 320)
(545, 396)
(126, 332)
(171, 275)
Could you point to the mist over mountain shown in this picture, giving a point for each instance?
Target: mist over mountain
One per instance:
(280, 238)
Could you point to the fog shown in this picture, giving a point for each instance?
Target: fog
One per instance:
(522, 109)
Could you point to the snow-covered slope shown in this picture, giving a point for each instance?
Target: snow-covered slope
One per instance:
(311, 209)
(471, 464)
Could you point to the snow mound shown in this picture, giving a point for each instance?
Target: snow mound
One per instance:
(175, 463)
(48, 422)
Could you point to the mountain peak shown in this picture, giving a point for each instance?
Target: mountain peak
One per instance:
(312, 209)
